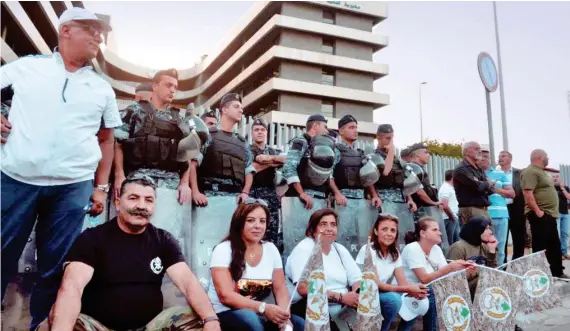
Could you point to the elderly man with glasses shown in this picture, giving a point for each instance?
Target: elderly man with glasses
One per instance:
(57, 152)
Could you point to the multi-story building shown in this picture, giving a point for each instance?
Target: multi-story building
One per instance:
(286, 59)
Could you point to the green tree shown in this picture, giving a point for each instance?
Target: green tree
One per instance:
(444, 149)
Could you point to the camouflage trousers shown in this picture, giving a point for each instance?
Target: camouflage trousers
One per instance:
(394, 195)
(421, 212)
(175, 318)
(275, 228)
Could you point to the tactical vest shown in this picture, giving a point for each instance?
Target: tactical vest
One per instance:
(266, 177)
(155, 145)
(225, 157)
(430, 191)
(395, 178)
(347, 170)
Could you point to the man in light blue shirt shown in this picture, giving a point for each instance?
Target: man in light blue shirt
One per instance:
(498, 210)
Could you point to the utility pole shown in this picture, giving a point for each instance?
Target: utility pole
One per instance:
(421, 114)
(501, 82)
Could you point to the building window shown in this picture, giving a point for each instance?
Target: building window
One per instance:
(328, 46)
(328, 17)
(327, 108)
(327, 77)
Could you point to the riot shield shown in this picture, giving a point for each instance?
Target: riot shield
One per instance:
(355, 221)
(175, 218)
(210, 225)
(405, 219)
(295, 218)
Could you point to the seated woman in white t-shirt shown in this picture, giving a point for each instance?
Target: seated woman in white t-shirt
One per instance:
(245, 270)
(341, 271)
(423, 262)
(391, 278)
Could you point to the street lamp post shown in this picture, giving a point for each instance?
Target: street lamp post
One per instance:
(421, 114)
(501, 81)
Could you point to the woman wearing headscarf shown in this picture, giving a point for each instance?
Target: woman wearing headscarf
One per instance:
(476, 244)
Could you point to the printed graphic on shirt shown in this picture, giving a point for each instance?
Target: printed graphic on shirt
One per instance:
(156, 265)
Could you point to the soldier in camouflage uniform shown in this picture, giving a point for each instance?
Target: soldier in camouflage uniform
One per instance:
(308, 167)
(427, 196)
(265, 161)
(356, 214)
(221, 176)
(147, 142)
(391, 183)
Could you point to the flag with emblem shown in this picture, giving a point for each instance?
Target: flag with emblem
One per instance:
(317, 314)
(538, 290)
(368, 315)
(453, 302)
(496, 300)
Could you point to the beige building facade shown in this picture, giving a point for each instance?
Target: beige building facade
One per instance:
(286, 59)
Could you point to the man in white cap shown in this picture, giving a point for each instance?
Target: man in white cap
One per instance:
(58, 151)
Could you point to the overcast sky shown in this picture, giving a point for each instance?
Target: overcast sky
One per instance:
(436, 42)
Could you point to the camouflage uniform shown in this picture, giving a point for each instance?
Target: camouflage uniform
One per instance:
(266, 191)
(216, 190)
(174, 318)
(133, 119)
(300, 149)
(394, 194)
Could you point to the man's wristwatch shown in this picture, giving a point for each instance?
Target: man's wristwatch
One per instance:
(210, 319)
(105, 188)
(261, 309)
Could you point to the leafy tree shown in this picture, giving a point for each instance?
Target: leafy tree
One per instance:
(444, 149)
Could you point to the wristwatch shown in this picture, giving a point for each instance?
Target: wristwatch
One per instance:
(104, 188)
(261, 309)
(209, 319)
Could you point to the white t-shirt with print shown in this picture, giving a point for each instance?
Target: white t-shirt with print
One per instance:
(384, 266)
(413, 257)
(222, 257)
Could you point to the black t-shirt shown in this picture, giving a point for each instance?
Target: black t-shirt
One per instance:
(562, 201)
(124, 292)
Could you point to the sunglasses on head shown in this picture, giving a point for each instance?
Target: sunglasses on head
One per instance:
(141, 177)
(252, 201)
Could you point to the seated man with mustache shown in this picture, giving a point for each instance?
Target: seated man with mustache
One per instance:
(113, 274)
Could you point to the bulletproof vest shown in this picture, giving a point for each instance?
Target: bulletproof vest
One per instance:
(395, 178)
(266, 177)
(347, 170)
(321, 158)
(155, 145)
(430, 190)
(225, 157)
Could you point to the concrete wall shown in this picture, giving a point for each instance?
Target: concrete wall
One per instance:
(355, 80)
(301, 40)
(353, 21)
(299, 104)
(302, 10)
(359, 111)
(300, 71)
(353, 50)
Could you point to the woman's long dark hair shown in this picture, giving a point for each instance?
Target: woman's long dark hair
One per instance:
(393, 248)
(421, 225)
(237, 266)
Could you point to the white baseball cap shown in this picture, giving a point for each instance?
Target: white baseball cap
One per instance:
(81, 14)
(412, 307)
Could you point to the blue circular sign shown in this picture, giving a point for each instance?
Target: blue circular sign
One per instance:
(487, 71)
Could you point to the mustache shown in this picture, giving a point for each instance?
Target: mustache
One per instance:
(139, 212)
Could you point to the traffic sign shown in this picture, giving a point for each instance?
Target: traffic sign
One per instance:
(487, 71)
